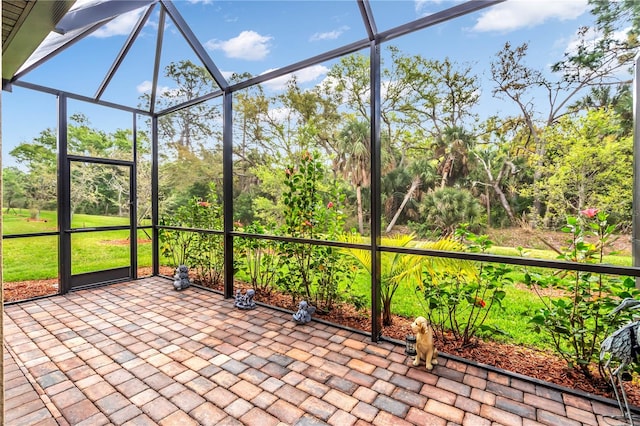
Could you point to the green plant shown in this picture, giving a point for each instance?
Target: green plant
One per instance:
(310, 271)
(201, 251)
(444, 209)
(396, 269)
(261, 259)
(578, 320)
(461, 294)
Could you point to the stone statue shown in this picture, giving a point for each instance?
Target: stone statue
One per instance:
(245, 301)
(304, 313)
(181, 278)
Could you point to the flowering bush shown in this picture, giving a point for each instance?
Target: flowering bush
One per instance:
(577, 322)
(203, 252)
(308, 271)
(461, 294)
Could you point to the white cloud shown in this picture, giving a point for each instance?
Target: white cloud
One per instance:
(306, 75)
(145, 87)
(515, 14)
(122, 25)
(329, 35)
(248, 45)
(200, 1)
(281, 114)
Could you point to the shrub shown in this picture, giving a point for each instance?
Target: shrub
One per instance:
(460, 293)
(202, 252)
(444, 209)
(579, 321)
(309, 271)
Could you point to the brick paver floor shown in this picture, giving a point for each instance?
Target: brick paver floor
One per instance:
(140, 353)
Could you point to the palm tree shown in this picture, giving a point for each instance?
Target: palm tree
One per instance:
(353, 160)
(446, 208)
(452, 149)
(401, 269)
(423, 175)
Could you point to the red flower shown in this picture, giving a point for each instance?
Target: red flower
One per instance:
(589, 212)
(330, 205)
(479, 302)
(204, 204)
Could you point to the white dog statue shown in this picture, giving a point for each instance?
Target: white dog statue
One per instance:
(424, 343)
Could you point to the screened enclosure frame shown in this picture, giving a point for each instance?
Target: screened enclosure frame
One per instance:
(226, 93)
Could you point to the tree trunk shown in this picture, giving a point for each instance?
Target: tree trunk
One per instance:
(486, 193)
(386, 314)
(359, 208)
(414, 185)
(503, 201)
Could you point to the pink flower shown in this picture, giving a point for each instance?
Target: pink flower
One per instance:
(307, 223)
(204, 204)
(288, 172)
(330, 205)
(589, 212)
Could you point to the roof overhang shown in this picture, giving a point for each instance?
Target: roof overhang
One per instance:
(25, 24)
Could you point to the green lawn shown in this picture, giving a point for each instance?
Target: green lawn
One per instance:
(32, 258)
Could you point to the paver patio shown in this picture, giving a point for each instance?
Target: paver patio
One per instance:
(140, 353)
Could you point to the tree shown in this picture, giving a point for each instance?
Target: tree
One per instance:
(191, 150)
(251, 146)
(588, 165)
(453, 148)
(13, 187)
(39, 158)
(597, 61)
(501, 151)
(423, 175)
(353, 160)
(191, 125)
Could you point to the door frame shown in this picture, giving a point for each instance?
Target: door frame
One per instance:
(68, 280)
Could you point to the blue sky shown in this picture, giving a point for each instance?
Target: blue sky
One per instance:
(258, 36)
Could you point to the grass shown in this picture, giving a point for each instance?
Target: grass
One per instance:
(36, 258)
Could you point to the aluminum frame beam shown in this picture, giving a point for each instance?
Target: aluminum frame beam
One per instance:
(98, 13)
(195, 44)
(123, 52)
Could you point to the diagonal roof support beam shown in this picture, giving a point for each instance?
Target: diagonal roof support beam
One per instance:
(367, 17)
(81, 17)
(123, 52)
(156, 65)
(437, 18)
(195, 44)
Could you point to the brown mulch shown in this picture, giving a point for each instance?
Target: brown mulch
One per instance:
(529, 362)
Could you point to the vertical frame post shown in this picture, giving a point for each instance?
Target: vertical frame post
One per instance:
(64, 200)
(227, 183)
(133, 201)
(635, 246)
(376, 158)
(155, 244)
